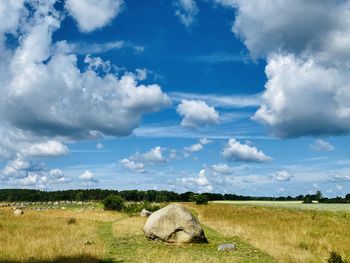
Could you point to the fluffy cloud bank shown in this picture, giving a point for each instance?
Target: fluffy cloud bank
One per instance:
(235, 151)
(47, 98)
(306, 45)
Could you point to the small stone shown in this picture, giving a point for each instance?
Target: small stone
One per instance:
(88, 242)
(226, 247)
(145, 213)
(18, 212)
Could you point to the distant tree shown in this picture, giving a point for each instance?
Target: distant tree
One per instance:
(307, 199)
(113, 202)
(200, 199)
(347, 197)
(318, 196)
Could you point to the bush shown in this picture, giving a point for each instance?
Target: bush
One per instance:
(113, 202)
(136, 207)
(71, 221)
(334, 257)
(307, 199)
(200, 199)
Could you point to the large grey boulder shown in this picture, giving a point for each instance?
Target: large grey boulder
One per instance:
(174, 224)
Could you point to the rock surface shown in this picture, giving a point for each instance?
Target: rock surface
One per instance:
(226, 247)
(18, 212)
(174, 224)
(145, 213)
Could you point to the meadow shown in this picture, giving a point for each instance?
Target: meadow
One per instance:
(262, 234)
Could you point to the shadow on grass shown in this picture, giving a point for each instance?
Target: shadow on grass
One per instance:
(74, 259)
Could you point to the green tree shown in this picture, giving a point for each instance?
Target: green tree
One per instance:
(318, 196)
(200, 199)
(113, 202)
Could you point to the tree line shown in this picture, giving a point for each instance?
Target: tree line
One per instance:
(31, 195)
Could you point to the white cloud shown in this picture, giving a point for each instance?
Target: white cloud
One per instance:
(197, 146)
(222, 168)
(186, 11)
(201, 181)
(322, 146)
(307, 62)
(228, 101)
(87, 176)
(138, 167)
(234, 150)
(197, 113)
(205, 141)
(79, 103)
(99, 146)
(56, 173)
(46, 149)
(282, 176)
(304, 98)
(267, 26)
(154, 155)
(93, 14)
(194, 148)
(17, 167)
(31, 179)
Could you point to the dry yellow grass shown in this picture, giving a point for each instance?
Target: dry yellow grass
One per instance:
(46, 236)
(287, 235)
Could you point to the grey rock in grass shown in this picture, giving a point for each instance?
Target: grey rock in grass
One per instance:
(145, 213)
(174, 224)
(226, 247)
(18, 212)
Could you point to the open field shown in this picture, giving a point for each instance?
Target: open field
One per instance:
(262, 234)
(297, 205)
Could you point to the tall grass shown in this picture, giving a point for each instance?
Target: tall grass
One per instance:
(46, 236)
(287, 235)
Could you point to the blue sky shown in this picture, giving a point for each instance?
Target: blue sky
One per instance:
(222, 96)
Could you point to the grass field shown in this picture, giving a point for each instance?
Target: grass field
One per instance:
(262, 234)
(296, 205)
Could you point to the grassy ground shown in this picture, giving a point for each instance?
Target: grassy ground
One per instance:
(128, 244)
(262, 234)
(294, 205)
(287, 235)
(46, 236)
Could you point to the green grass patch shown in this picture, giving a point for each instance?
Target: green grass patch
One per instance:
(132, 246)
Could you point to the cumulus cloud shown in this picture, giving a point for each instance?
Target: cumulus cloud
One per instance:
(154, 155)
(282, 176)
(20, 171)
(197, 113)
(322, 146)
(235, 151)
(46, 149)
(134, 166)
(45, 92)
(303, 97)
(88, 176)
(194, 148)
(201, 181)
(197, 146)
(222, 168)
(186, 11)
(93, 14)
(306, 45)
